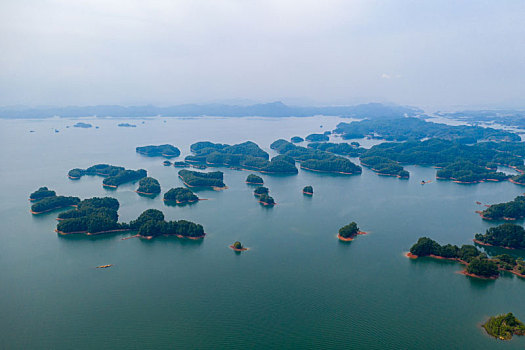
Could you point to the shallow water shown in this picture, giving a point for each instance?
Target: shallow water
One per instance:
(297, 286)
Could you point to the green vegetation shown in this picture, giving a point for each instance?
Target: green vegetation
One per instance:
(468, 172)
(426, 246)
(76, 173)
(180, 195)
(317, 138)
(259, 191)
(167, 151)
(180, 164)
(82, 125)
(308, 190)
(41, 193)
(237, 245)
(349, 231)
(343, 148)
(512, 210)
(149, 185)
(151, 224)
(93, 216)
(402, 129)
(265, 199)
(316, 160)
(504, 326)
(518, 179)
(483, 267)
(385, 166)
(505, 235)
(166, 163)
(254, 180)
(52, 203)
(200, 179)
(123, 177)
(296, 139)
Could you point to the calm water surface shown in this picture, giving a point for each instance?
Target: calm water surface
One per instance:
(297, 286)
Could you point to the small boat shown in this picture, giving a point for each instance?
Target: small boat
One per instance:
(104, 266)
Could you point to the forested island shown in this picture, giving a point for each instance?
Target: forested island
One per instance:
(348, 232)
(238, 247)
(180, 164)
(126, 125)
(507, 235)
(82, 125)
(151, 224)
(200, 179)
(167, 151)
(308, 190)
(477, 262)
(296, 139)
(266, 200)
(148, 186)
(53, 203)
(503, 327)
(385, 166)
(253, 179)
(343, 148)
(166, 163)
(402, 129)
(259, 191)
(180, 195)
(41, 193)
(316, 160)
(114, 175)
(245, 155)
(317, 138)
(512, 210)
(458, 162)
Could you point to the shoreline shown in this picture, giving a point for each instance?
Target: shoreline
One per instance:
(254, 183)
(328, 171)
(146, 193)
(350, 239)
(243, 249)
(49, 210)
(89, 233)
(111, 186)
(491, 245)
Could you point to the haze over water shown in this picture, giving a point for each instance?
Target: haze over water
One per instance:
(297, 286)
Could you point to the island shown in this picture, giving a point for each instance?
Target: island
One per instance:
(266, 200)
(123, 177)
(167, 151)
(41, 193)
(82, 125)
(247, 155)
(512, 210)
(384, 166)
(103, 170)
(343, 148)
(151, 224)
(180, 164)
(316, 160)
(166, 163)
(503, 327)
(238, 247)
(53, 203)
(317, 138)
(180, 195)
(477, 263)
(518, 179)
(200, 179)
(506, 235)
(402, 129)
(259, 191)
(253, 179)
(308, 190)
(148, 186)
(348, 232)
(126, 125)
(296, 139)
(466, 172)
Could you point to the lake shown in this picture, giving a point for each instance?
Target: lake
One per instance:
(297, 286)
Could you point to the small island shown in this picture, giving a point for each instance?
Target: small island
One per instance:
(166, 163)
(180, 195)
(151, 224)
(126, 125)
(477, 263)
(503, 327)
(308, 190)
(201, 179)
(53, 203)
(167, 151)
(148, 186)
(266, 200)
(512, 210)
(238, 247)
(114, 175)
(41, 193)
(348, 232)
(253, 179)
(317, 138)
(296, 139)
(83, 125)
(259, 191)
(507, 235)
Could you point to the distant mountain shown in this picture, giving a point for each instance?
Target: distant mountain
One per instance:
(274, 109)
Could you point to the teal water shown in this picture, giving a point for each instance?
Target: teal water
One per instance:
(297, 286)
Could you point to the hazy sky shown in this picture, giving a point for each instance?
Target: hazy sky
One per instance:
(424, 53)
